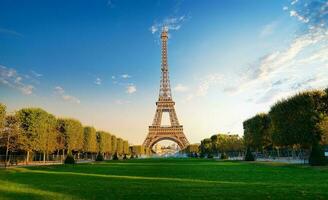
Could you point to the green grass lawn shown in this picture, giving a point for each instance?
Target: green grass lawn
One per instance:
(165, 179)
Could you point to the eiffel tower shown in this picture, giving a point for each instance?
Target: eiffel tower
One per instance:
(174, 132)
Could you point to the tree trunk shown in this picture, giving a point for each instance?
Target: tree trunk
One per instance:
(44, 157)
(27, 156)
(7, 151)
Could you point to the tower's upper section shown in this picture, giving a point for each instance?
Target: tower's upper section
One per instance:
(165, 89)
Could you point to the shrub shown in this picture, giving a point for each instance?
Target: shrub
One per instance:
(317, 156)
(125, 157)
(210, 156)
(115, 157)
(69, 159)
(100, 157)
(223, 156)
(249, 156)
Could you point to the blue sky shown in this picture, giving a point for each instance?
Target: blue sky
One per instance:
(99, 61)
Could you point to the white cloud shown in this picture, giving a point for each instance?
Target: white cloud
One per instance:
(11, 78)
(285, 8)
(62, 94)
(130, 89)
(121, 102)
(180, 88)
(301, 18)
(125, 76)
(171, 23)
(98, 81)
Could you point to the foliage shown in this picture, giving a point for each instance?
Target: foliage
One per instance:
(72, 131)
(126, 147)
(114, 144)
(69, 159)
(294, 120)
(323, 126)
(100, 157)
(104, 142)
(2, 115)
(38, 130)
(226, 143)
(257, 131)
(249, 156)
(119, 147)
(317, 156)
(205, 147)
(10, 137)
(90, 140)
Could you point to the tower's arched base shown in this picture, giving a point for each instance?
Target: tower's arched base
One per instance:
(173, 133)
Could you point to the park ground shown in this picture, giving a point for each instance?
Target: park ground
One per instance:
(165, 179)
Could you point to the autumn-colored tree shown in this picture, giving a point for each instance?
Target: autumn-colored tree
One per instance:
(35, 124)
(126, 147)
(2, 116)
(72, 131)
(90, 140)
(119, 146)
(9, 139)
(114, 144)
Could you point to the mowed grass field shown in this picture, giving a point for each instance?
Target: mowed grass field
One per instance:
(165, 179)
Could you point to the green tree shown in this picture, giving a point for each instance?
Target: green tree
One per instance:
(10, 135)
(114, 144)
(126, 147)
(2, 116)
(294, 120)
(48, 134)
(119, 146)
(206, 148)
(323, 126)
(34, 123)
(90, 140)
(72, 132)
(257, 132)
(104, 142)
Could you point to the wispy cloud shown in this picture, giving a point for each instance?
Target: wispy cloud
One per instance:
(10, 32)
(125, 76)
(10, 77)
(268, 29)
(180, 88)
(35, 74)
(59, 91)
(131, 88)
(98, 81)
(171, 23)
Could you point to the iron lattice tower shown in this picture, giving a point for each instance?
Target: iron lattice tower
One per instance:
(165, 103)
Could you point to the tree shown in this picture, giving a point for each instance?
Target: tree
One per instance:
(72, 132)
(206, 148)
(10, 135)
(126, 147)
(323, 126)
(90, 140)
(257, 132)
(114, 144)
(35, 129)
(104, 141)
(294, 120)
(2, 116)
(119, 146)
(224, 143)
(47, 137)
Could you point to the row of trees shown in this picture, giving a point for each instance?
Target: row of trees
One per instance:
(298, 122)
(219, 144)
(33, 130)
